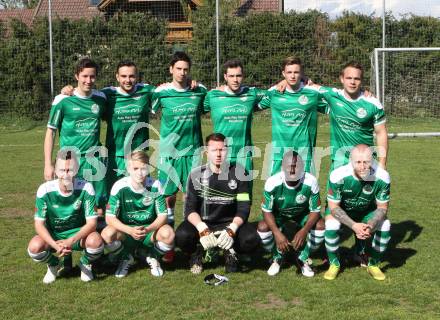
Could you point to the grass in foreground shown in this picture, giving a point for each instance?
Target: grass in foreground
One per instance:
(411, 263)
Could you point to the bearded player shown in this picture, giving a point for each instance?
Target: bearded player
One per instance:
(358, 197)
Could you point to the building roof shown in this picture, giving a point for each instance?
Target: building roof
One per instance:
(247, 6)
(25, 15)
(72, 9)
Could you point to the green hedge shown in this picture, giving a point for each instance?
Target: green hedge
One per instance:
(260, 40)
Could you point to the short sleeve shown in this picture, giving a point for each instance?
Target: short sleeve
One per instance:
(383, 192)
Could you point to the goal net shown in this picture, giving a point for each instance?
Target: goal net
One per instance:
(406, 80)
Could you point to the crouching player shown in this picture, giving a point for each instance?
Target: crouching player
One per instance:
(291, 196)
(136, 217)
(65, 220)
(217, 203)
(358, 197)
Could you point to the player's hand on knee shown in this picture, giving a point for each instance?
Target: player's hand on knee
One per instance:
(49, 172)
(281, 241)
(207, 239)
(226, 237)
(63, 248)
(361, 230)
(299, 239)
(67, 90)
(138, 232)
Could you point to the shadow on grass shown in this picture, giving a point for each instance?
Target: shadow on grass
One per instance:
(395, 257)
(401, 233)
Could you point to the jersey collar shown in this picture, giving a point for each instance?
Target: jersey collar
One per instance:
(300, 181)
(119, 90)
(76, 94)
(229, 91)
(301, 86)
(64, 195)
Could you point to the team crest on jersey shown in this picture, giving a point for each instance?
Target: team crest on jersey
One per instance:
(300, 198)
(147, 201)
(303, 100)
(361, 113)
(232, 184)
(282, 99)
(367, 189)
(77, 204)
(95, 108)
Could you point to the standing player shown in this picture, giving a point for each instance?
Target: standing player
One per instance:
(78, 118)
(294, 115)
(137, 217)
(180, 129)
(65, 220)
(129, 104)
(291, 195)
(217, 201)
(354, 117)
(232, 112)
(358, 197)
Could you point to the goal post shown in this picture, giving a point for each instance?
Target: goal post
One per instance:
(406, 80)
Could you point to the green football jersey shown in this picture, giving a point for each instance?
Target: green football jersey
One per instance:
(180, 126)
(123, 111)
(358, 196)
(63, 212)
(78, 119)
(232, 114)
(136, 208)
(351, 121)
(294, 120)
(291, 203)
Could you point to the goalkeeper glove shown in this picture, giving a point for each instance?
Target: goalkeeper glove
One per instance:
(207, 238)
(226, 238)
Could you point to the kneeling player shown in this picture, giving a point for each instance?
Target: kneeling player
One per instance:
(65, 220)
(358, 197)
(217, 203)
(291, 195)
(136, 218)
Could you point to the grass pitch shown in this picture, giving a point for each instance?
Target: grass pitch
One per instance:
(411, 262)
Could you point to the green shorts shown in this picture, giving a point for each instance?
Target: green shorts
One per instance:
(281, 221)
(131, 244)
(356, 216)
(63, 235)
(173, 173)
(88, 171)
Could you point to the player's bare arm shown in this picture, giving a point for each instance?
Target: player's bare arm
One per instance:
(82, 234)
(301, 235)
(382, 143)
(361, 229)
(49, 140)
(41, 230)
(136, 232)
(380, 214)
